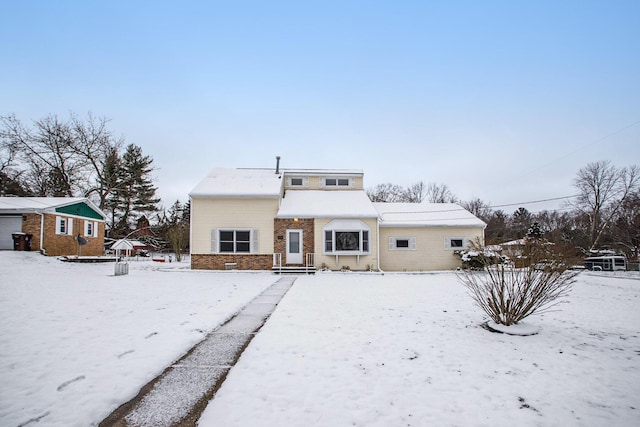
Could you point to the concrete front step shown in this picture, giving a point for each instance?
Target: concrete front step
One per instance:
(293, 270)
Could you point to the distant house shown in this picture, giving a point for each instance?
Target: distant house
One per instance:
(259, 219)
(128, 247)
(55, 224)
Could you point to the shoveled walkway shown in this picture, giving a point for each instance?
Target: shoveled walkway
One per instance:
(179, 395)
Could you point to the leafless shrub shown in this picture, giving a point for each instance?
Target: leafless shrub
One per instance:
(508, 294)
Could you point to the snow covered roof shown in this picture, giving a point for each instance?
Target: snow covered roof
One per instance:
(126, 244)
(326, 204)
(426, 215)
(42, 204)
(225, 182)
(519, 242)
(319, 172)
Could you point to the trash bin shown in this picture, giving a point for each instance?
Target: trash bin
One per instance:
(21, 241)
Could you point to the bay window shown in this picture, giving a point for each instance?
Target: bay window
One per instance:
(343, 237)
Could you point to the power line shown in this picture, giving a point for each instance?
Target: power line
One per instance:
(580, 148)
(534, 201)
(460, 209)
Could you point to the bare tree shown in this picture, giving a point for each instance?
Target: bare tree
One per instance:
(439, 193)
(602, 189)
(415, 193)
(51, 169)
(479, 208)
(386, 193)
(93, 143)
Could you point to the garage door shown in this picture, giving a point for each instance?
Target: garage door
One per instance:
(8, 226)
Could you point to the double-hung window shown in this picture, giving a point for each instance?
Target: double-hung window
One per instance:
(91, 228)
(64, 225)
(234, 241)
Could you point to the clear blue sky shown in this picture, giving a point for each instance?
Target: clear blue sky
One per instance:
(502, 100)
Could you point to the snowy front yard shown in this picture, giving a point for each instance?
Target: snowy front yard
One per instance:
(76, 341)
(340, 349)
(407, 350)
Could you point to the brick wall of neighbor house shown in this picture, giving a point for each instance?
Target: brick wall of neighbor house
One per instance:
(31, 225)
(58, 245)
(280, 236)
(243, 262)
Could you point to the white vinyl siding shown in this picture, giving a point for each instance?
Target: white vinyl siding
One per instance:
(209, 215)
(430, 252)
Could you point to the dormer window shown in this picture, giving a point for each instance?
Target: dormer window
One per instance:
(297, 181)
(337, 182)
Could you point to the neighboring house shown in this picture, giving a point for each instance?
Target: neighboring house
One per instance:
(127, 247)
(54, 223)
(259, 219)
(512, 249)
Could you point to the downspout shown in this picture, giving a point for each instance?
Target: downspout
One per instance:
(42, 249)
(378, 239)
(191, 230)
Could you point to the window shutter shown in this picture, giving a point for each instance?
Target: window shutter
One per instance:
(412, 243)
(255, 241)
(95, 229)
(87, 228)
(214, 240)
(69, 226)
(58, 224)
(392, 243)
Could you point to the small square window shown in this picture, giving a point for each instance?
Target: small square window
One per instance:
(456, 243)
(344, 182)
(296, 182)
(330, 181)
(402, 243)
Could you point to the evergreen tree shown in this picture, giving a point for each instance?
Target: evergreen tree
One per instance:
(535, 231)
(134, 194)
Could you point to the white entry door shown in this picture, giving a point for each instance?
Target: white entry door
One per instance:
(294, 247)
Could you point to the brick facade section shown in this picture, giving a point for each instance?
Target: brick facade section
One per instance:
(242, 261)
(31, 225)
(59, 245)
(280, 230)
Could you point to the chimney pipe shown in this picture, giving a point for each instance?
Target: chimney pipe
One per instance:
(277, 165)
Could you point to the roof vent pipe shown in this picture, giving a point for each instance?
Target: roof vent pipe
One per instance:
(277, 165)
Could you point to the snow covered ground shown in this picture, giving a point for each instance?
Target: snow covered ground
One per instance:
(407, 350)
(76, 341)
(340, 349)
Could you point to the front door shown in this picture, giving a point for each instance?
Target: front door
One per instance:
(294, 247)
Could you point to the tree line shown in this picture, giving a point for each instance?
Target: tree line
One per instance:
(604, 214)
(81, 157)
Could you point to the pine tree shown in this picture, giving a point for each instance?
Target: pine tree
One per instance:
(134, 192)
(535, 231)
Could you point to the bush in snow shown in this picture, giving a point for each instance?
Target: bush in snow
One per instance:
(476, 257)
(508, 295)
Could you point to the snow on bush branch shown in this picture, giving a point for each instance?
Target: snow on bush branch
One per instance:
(508, 294)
